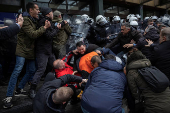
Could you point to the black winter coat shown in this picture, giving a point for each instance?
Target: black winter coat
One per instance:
(44, 43)
(102, 32)
(5, 36)
(153, 35)
(41, 100)
(161, 58)
(125, 39)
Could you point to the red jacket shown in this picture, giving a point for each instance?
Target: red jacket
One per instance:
(67, 70)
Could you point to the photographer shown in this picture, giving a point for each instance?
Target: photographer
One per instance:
(61, 37)
(43, 47)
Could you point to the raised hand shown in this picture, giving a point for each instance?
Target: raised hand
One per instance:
(47, 24)
(20, 20)
(150, 42)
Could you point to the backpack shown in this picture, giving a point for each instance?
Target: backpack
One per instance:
(157, 80)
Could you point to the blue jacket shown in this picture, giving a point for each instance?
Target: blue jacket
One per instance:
(104, 90)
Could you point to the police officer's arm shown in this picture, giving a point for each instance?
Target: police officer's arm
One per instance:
(113, 43)
(100, 39)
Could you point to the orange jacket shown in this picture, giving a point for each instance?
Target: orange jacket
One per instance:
(85, 62)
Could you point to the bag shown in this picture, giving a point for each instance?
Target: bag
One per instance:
(157, 80)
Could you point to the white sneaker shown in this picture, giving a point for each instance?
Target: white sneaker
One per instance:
(21, 93)
(7, 102)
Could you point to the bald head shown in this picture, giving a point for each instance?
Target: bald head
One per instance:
(59, 64)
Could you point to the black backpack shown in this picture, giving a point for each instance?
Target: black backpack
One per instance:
(157, 80)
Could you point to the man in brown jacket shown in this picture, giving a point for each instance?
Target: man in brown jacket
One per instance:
(25, 51)
(59, 41)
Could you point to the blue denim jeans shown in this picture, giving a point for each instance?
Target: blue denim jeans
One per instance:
(30, 70)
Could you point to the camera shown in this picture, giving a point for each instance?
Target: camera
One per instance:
(19, 12)
(62, 23)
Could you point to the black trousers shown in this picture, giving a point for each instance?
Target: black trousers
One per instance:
(42, 60)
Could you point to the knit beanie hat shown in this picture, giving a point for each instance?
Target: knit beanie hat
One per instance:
(45, 10)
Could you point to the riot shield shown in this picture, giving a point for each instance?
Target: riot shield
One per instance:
(67, 18)
(79, 32)
(116, 28)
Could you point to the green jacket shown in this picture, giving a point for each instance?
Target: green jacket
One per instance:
(26, 38)
(63, 33)
(153, 102)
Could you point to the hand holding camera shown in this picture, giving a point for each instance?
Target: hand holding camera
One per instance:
(62, 23)
(47, 24)
(59, 26)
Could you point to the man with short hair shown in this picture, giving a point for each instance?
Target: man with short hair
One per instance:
(62, 68)
(52, 97)
(95, 61)
(81, 50)
(25, 51)
(126, 36)
(60, 39)
(161, 55)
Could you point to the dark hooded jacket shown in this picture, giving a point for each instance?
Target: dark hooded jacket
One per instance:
(8, 40)
(152, 34)
(44, 42)
(153, 102)
(161, 58)
(104, 90)
(42, 100)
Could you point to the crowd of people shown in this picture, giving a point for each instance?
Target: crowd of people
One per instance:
(108, 65)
